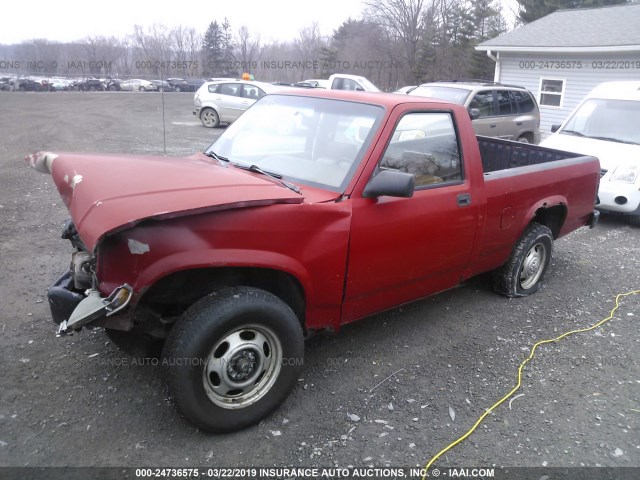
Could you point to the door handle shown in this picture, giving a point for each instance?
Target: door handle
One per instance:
(518, 123)
(464, 199)
(492, 126)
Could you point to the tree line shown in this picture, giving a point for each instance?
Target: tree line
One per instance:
(393, 43)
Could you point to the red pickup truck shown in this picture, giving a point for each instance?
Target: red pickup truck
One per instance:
(314, 209)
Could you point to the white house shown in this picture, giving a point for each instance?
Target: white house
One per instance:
(562, 56)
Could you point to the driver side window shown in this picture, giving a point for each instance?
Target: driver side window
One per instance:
(426, 146)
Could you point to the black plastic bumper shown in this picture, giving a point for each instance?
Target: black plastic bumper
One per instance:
(62, 298)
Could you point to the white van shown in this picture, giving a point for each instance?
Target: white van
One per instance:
(606, 124)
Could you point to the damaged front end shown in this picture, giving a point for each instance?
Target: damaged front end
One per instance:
(74, 298)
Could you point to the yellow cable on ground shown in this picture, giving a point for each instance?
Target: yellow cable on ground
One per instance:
(515, 389)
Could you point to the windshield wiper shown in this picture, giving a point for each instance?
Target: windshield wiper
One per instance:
(573, 132)
(277, 176)
(617, 140)
(224, 161)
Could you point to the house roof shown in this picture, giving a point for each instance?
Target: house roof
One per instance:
(606, 29)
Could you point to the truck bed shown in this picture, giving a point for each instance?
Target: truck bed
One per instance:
(498, 154)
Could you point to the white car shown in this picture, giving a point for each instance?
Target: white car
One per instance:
(606, 125)
(224, 101)
(344, 81)
(137, 84)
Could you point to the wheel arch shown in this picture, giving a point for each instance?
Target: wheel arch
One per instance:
(173, 293)
(552, 217)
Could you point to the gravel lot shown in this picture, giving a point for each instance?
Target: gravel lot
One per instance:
(456, 352)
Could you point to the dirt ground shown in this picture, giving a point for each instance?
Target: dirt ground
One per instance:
(77, 401)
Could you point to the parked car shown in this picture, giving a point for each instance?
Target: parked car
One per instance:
(137, 84)
(28, 84)
(5, 83)
(607, 124)
(313, 83)
(57, 84)
(112, 84)
(406, 90)
(178, 84)
(87, 85)
(343, 81)
(497, 110)
(223, 102)
(182, 85)
(162, 86)
(316, 208)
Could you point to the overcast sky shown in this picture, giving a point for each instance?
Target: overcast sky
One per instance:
(68, 20)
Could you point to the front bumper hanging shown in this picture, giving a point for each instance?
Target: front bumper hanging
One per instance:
(72, 310)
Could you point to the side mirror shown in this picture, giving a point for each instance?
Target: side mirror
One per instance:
(391, 183)
(555, 128)
(359, 89)
(474, 113)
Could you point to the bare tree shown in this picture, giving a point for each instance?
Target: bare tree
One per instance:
(308, 46)
(403, 20)
(248, 50)
(185, 47)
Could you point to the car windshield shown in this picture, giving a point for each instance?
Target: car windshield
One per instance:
(313, 141)
(450, 94)
(606, 119)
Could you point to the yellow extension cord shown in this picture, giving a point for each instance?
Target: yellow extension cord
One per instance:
(515, 389)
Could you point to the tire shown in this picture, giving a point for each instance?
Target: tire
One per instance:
(178, 90)
(524, 139)
(142, 89)
(209, 118)
(112, 88)
(523, 274)
(634, 220)
(135, 344)
(232, 358)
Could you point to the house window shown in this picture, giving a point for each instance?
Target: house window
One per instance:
(551, 92)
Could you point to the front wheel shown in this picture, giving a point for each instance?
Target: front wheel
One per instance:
(524, 272)
(233, 357)
(209, 118)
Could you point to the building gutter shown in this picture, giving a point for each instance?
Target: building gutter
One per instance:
(495, 58)
(543, 49)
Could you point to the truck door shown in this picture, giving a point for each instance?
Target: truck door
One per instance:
(402, 249)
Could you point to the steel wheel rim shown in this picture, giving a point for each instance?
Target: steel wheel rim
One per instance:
(242, 367)
(533, 266)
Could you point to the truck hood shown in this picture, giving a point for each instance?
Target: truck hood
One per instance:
(610, 154)
(109, 193)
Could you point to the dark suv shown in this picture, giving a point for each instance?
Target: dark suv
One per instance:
(497, 110)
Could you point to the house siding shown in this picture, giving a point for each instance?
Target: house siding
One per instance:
(580, 72)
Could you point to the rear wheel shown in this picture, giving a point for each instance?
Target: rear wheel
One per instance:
(524, 272)
(233, 357)
(209, 118)
(525, 139)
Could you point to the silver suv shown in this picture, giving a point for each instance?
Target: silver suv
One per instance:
(497, 110)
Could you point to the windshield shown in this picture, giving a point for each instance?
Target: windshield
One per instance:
(453, 95)
(606, 119)
(313, 141)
